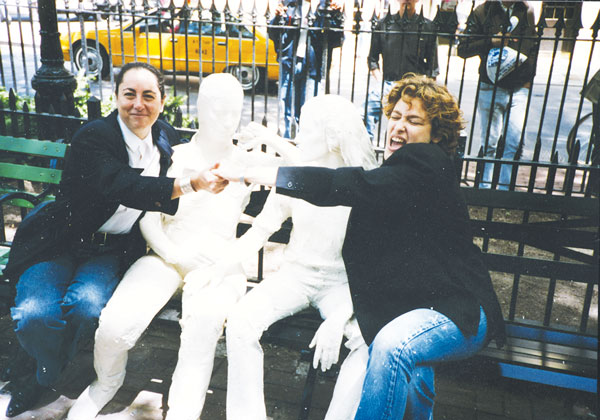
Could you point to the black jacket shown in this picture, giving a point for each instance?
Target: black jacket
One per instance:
(489, 19)
(408, 243)
(406, 45)
(96, 179)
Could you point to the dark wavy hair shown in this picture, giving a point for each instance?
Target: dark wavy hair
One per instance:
(441, 107)
(160, 80)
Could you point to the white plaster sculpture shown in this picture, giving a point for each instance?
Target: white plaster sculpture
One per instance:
(184, 248)
(331, 134)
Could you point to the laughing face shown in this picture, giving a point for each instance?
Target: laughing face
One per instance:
(408, 123)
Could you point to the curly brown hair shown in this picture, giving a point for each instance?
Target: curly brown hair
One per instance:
(439, 104)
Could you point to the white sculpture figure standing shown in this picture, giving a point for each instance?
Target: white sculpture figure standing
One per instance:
(184, 246)
(331, 134)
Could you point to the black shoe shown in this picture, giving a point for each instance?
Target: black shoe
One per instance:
(25, 395)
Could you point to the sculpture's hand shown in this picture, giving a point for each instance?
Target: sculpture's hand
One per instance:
(327, 342)
(229, 171)
(253, 135)
(187, 260)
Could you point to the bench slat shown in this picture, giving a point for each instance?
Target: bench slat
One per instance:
(30, 173)
(581, 273)
(33, 147)
(517, 200)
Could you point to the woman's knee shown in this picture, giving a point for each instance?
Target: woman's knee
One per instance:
(34, 311)
(85, 303)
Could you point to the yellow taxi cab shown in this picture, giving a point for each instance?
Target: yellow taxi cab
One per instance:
(178, 45)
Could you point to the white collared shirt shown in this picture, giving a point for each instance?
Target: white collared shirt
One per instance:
(144, 154)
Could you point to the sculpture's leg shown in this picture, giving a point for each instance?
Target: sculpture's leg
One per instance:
(274, 298)
(143, 291)
(331, 302)
(205, 307)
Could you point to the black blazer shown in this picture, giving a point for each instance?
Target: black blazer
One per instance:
(97, 178)
(408, 243)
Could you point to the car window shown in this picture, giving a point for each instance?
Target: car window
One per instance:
(148, 24)
(220, 29)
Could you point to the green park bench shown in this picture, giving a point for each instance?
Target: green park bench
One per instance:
(548, 239)
(25, 160)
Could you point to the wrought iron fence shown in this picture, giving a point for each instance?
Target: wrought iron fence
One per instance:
(192, 39)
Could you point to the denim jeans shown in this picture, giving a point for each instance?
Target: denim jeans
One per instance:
(57, 307)
(399, 383)
(374, 106)
(499, 114)
(305, 87)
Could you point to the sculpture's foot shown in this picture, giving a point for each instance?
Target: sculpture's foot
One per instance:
(91, 401)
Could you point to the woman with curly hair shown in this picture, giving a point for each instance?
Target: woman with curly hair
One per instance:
(420, 290)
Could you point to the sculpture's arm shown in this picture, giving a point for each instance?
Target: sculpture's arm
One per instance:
(273, 214)
(328, 338)
(255, 134)
(151, 226)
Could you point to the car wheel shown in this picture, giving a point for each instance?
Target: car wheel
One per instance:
(97, 60)
(244, 75)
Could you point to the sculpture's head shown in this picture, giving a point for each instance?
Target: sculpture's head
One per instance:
(220, 101)
(330, 124)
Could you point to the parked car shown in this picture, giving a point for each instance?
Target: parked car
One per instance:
(162, 40)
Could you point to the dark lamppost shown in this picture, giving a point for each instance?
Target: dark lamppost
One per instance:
(53, 83)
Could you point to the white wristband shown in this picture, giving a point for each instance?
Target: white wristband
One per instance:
(185, 185)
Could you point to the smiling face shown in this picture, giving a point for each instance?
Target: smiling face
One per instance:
(139, 101)
(408, 123)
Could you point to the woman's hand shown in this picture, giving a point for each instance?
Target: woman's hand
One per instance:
(208, 181)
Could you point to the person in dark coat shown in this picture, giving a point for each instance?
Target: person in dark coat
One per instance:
(68, 256)
(421, 292)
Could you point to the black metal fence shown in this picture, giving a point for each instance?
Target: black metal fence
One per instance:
(189, 40)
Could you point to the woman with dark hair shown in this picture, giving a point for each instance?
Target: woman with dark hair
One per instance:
(420, 290)
(68, 256)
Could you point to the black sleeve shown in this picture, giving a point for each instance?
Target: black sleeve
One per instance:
(476, 42)
(97, 167)
(394, 184)
(376, 48)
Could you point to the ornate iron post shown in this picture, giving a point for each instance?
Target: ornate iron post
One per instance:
(53, 83)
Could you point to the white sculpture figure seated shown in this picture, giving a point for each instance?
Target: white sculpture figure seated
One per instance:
(183, 248)
(331, 134)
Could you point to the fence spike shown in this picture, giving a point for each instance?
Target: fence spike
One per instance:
(596, 26)
(12, 100)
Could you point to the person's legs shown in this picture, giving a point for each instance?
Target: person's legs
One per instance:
(396, 382)
(93, 284)
(205, 305)
(373, 109)
(516, 119)
(146, 287)
(271, 300)
(492, 115)
(312, 88)
(285, 87)
(38, 316)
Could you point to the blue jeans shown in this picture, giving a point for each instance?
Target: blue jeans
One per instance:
(57, 307)
(374, 107)
(514, 126)
(399, 383)
(305, 87)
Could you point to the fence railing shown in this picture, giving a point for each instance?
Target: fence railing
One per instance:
(194, 39)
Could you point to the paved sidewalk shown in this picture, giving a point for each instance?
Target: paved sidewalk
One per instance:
(151, 363)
